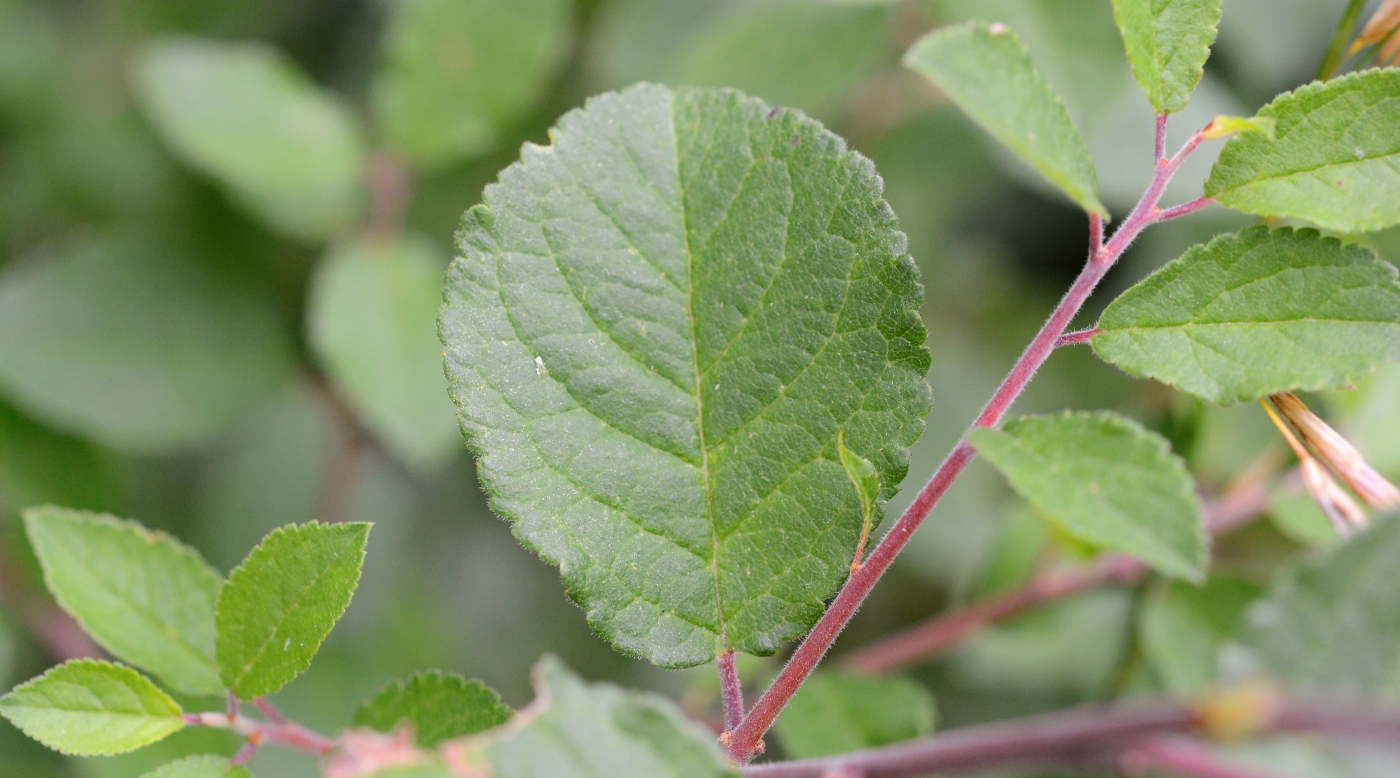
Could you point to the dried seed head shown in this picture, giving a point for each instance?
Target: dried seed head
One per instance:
(1342, 512)
(1338, 454)
(1380, 26)
(1390, 52)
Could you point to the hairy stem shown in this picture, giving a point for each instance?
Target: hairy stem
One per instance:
(731, 691)
(286, 734)
(1076, 338)
(744, 741)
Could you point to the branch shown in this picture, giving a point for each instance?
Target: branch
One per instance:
(1180, 756)
(1077, 337)
(731, 690)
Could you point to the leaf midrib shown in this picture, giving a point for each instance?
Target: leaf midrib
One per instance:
(1265, 323)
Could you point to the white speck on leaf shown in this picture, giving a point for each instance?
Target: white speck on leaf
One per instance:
(1360, 154)
(288, 645)
(997, 28)
(539, 365)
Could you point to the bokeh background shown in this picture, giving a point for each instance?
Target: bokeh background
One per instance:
(189, 351)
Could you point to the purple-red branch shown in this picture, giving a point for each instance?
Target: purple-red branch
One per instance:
(1180, 756)
(745, 740)
(731, 691)
(1076, 338)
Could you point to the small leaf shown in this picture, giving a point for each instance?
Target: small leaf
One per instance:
(243, 113)
(834, 713)
(282, 602)
(204, 766)
(438, 705)
(654, 337)
(581, 730)
(1225, 126)
(988, 72)
(372, 323)
(1168, 42)
(91, 708)
(867, 485)
(1335, 160)
(1334, 622)
(1105, 480)
(141, 595)
(459, 72)
(1256, 313)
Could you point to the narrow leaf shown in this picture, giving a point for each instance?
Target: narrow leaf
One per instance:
(581, 730)
(1105, 480)
(834, 713)
(1225, 126)
(1168, 42)
(91, 708)
(282, 602)
(655, 331)
(142, 595)
(204, 766)
(459, 72)
(988, 72)
(1335, 160)
(439, 706)
(243, 114)
(1255, 313)
(1335, 621)
(867, 485)
(372, 324)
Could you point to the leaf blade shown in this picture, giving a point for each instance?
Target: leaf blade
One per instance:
(1255, 313)
(438, 705)
(202, 766)
(835, 713)
(90, 708)
(1167, 44)
(988, 72)
(142, 595)
(1106, 480)
(283, 601)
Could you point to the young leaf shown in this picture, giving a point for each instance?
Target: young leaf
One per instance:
(140, 594)
(582, 730)
(1334, 621)
(655, 331)
(1105, 480)
(1225, 126)
(458, 72)
(1255, 313)
(867, 485)
(372, 323)
(438, 705)
(243, 114)
(1335, 160)
(282, 602)
(1168, 42)
(204, 766)
(834, 713)
(988, 72)
(91, 708)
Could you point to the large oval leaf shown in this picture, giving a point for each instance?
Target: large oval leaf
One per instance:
(655, 332)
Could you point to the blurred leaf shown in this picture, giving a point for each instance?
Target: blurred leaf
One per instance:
(1374, 424)
(283, 601)
(38, 465)
(584, 729)
(133, 347)
(458, 72)
(241, 112)
(987, 71)
(612, 287)
(1105, 480)
(1012, 559)
(372, 323)
(91, 708)
(1182, 628)
(440, 706)
(1334, 161)
(1334, 621)
(1255, 313)
(834, 713)
(1294, 514)
(207, 766)
(1168, 42)
(142, 595)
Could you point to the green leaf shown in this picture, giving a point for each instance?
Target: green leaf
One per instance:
(988, 72)
(372, 324)
(243, 114)
(1105, 480)
(1225, 126)
(1255, 313)
(141, 350)
(1181, 629)
(38, 466)
(834, 713)
(204, 766)
(1334, 621)
(142, 595)
(867, 485)
(438, 705)
(581, 730)
(654, 337)
(459, 72)
(1168, 42)
(1335, 160)
(91, 708)
(282, 602)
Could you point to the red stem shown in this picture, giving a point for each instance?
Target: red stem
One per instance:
(1181, 757)
(1076, 338)
(1184, 208)
(744, 741)
(1161, 152)
(731, 690)
(286, 734)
